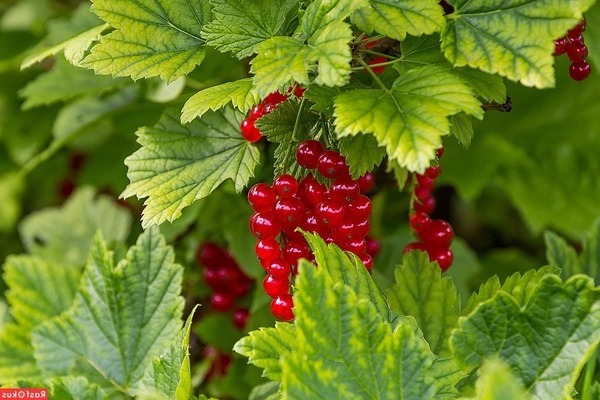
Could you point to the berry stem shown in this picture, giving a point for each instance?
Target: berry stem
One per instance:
(372, 73)
(590, 370)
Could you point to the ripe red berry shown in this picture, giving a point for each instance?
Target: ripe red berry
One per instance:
(281, 307)
(359, 209)
(314, 192)
(580, 70)
(221, 301)
(560, 46)
(425, 182)
(275, 98)
(439, 152)
(267, 249)
(361, 228)
(378, 60)
(257, 111)
(262, 197)
(299, 91)
(308, 153)
(422, 193)
(332, 164)
(295, 250)
(419, 221)
(330, 214)
(366, 182)
(264, 225)
(367, 261)
(427, 206)
(289, 212)
(355, 244)
(433, 172)
(209, 255)
(577, 52)
(414, 246)
(309, 223)
(444, 257)
(279, 268)
(240, 318)
(373, 246)
(249, 131)
(438, 234)
(344, 190)
(275, 287)
(579, 28)
(285, 185)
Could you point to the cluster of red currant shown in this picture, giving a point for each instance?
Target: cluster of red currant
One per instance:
(229, 283)
(248, 128)
(573, 44)
(435, 236)
(339, 214)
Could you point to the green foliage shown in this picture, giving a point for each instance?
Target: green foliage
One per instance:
(198, 158)
(496, 382)
(120, 319)
(560, 254)
(513, 39)
(396, 116)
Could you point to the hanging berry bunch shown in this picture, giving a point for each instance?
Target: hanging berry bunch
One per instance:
(338, 213)
(226, 279)
(574, 46)
(434, 235)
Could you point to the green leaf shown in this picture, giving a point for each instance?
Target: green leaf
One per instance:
(560, 254)
(239, 93)
(545, 340)
(239, 26)
(409, 119)
(169, 375)
(75, 48)
(266, 391)
(362, 154)
(422, 293)
(266, 347)
(497, 382)
(178, 165)
(151, 38)
(462, 128)
(38, 290)
(321, 13)
(11, 189)
(396, 19)
(74, 388)
(64, 82)
(122, 317)
(333, 55)
(64, 234)
(513, 39)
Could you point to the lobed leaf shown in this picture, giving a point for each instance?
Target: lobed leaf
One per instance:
(178, 165)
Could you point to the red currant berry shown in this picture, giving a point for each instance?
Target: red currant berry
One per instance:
(433, 172)
(257, 111)
(262, 197)
(330, 214)
(275, 98)
(308, 153)
(422, 193)
(295, 250)
(209, 255)
(361, 228)
(359, 209)
(274, 287)
(444, 258)
(299, 91)
(577, 52)
(281, 307)
(419, 221)
(439, 152)
(279, 269)
(314, 192)
(414, 246)
(332, 164)
(240, 289)
(367, 261)
(575, 37)
(240, 318)
(366, 182)
(264, 225)
(344, 190)
(579, 28)
(380, 68)
(345, 231)
(355, 244)
(560, 46)
(309, 223)
(221, 301)
(267, 249)
(249, 131)
(438, 234)
(373, 246)
(580, 70)
(426, 206)
(425, 182)
(289, 211)
(285, 186)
